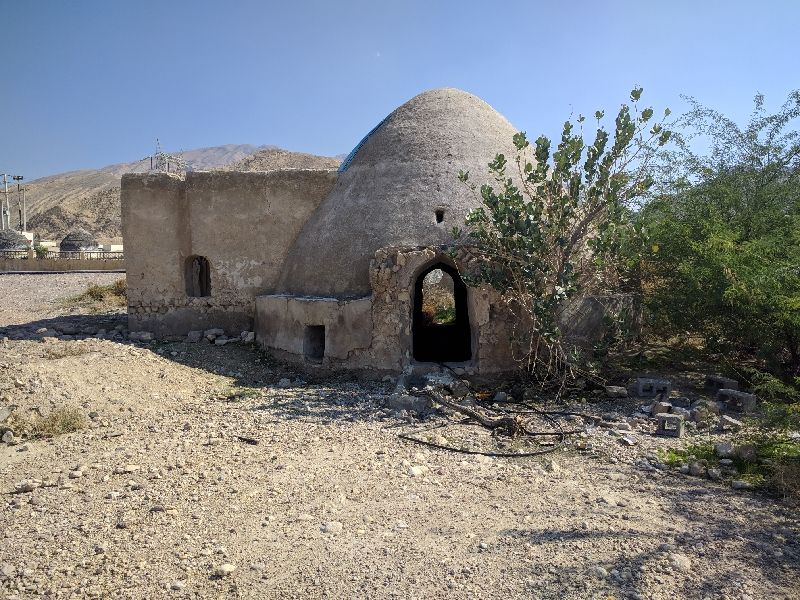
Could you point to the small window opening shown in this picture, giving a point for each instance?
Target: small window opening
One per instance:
(439, 215)
(198, 277)
(314, 343)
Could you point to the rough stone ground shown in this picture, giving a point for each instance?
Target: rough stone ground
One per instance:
(159, 492)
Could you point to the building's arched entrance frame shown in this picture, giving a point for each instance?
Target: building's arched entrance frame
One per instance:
(441, 343)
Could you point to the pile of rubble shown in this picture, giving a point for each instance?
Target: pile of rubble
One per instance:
(665, 415)
(109, 328)
(673, 414)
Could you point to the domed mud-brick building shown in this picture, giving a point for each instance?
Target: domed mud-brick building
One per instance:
(13, 240)
(327, 266)
(78, 240)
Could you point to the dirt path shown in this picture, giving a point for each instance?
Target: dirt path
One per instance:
(159, 492)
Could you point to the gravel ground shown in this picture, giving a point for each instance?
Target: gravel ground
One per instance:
(25, 298)
(164, 494)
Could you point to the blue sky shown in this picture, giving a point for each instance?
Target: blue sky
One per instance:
(89, 83)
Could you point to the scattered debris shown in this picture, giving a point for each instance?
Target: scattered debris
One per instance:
(247, 440)
(729, 423)
(614, 391)
(224, 570)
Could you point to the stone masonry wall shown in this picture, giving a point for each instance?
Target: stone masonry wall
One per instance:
(393, 273)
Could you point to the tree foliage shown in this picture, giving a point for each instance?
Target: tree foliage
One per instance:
(553, 222)
(724, 250)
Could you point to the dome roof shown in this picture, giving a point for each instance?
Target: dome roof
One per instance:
(78, 240)
(398, 187)
(11, 240)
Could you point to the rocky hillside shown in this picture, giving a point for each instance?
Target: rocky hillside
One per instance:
(90, 198)
(271, 159)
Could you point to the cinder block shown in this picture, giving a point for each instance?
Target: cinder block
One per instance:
(670, 425)
(736, 400)
(650, 388)
(717, 382)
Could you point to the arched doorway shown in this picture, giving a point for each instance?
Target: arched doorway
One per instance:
(441, 321)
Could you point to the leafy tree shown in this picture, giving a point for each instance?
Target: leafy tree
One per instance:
(553, 224)
(724, 251)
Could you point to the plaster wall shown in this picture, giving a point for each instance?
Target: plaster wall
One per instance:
(154, 227)
(243, 223)
(282, 320)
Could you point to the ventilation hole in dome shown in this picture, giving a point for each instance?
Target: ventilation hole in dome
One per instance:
(439, 215)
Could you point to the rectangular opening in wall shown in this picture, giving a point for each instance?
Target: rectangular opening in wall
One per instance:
(314, 343)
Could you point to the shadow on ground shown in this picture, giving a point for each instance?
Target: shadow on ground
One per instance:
(769, 546)
(252, 373)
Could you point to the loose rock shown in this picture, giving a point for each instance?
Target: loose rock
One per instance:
(224, 570)
(333, 527)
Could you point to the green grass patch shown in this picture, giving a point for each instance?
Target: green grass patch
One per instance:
(676, 457)
(776, 468)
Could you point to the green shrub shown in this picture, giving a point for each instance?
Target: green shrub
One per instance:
(58, 422)
(724, 237)
(102, 296)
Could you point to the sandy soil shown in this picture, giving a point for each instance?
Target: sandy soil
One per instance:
(160, 490)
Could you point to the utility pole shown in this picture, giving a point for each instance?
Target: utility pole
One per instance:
(4, 215)
(20, 209)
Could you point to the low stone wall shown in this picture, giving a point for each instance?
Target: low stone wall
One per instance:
(282, 322)
(165, 319)
(16, 265)
(376, 332)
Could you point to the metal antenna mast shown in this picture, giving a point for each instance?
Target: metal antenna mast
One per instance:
(164, 162)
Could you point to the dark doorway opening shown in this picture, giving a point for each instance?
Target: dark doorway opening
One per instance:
(440, 321)
(314, 343)
(198, 276)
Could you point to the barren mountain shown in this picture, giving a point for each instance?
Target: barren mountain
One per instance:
(271, 159)
(90, 198)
